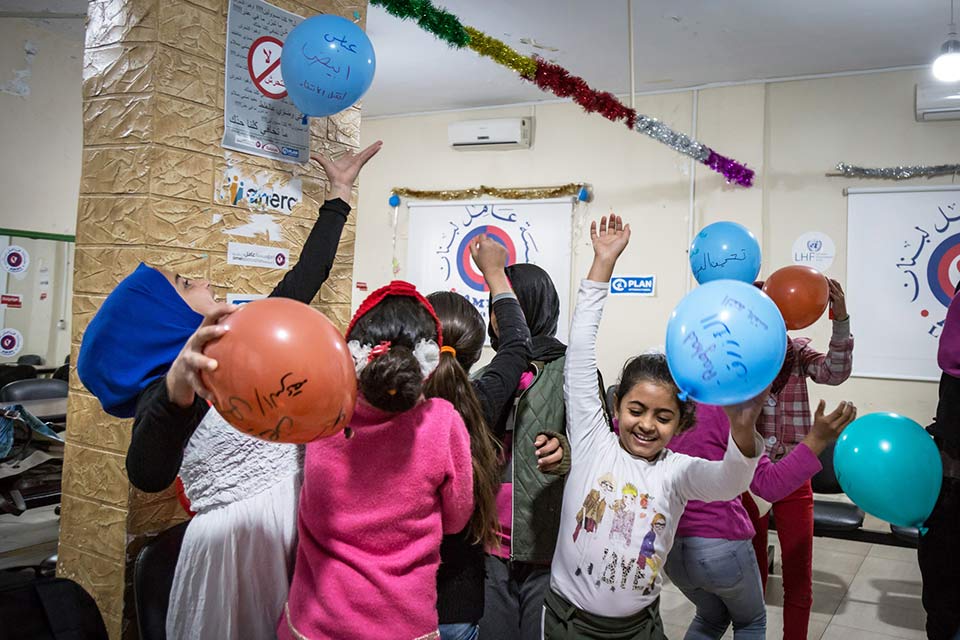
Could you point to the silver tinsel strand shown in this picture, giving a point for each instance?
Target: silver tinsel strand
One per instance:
(677, 141)
(897, 173)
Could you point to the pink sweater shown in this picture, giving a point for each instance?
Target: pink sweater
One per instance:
(372, 512)
(771, 481)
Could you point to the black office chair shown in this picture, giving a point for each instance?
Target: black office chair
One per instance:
(36, 389)
(153, 579)
(31, 359)
(13, 372)
(910, 535)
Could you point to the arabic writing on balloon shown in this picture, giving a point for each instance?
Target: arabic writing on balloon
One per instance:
(714, 262)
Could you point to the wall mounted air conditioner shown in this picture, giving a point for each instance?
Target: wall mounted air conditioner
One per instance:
(502, 133)
(938, 102)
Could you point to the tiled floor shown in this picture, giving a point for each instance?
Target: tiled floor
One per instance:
(29, 538)
(860, 592)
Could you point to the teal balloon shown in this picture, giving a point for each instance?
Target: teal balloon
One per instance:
(725, 251)
(725, 342)
(327, 64)
(890, 467)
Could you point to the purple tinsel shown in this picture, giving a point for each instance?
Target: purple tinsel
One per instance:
(732, 170)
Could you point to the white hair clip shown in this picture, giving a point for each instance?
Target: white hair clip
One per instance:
(427, 354)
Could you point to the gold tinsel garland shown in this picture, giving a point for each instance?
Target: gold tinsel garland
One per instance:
(515, 193)
(501, 52)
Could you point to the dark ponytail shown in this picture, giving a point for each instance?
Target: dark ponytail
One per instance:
(463, 331)
(393, 381)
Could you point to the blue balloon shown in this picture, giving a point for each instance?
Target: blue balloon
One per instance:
(327, 65)
(726, 342)
(890, 467)
(394, 200)
(725, 251)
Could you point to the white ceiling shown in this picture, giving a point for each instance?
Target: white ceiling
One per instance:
(678, 43)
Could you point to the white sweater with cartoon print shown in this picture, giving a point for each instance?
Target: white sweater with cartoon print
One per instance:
(620, 512)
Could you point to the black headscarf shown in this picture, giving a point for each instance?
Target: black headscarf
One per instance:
(541, 306)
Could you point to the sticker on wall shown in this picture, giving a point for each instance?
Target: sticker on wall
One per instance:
(243, 298)
(814, 249)
(16, 259)
(11, 300)
(258, 190)
(252, 255)
(633, 285)
(10, 342)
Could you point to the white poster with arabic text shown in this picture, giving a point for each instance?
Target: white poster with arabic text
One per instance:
(258, 116)
(903, 265)
(537, 231)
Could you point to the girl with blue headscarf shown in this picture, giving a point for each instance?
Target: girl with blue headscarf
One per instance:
(141, 356)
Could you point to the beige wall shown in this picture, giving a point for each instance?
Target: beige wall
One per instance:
(790, 132)
(41, 129)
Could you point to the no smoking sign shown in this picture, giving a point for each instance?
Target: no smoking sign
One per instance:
(263, 63)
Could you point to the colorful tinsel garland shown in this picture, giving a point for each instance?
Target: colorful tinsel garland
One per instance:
(903, 172)
(559, 81)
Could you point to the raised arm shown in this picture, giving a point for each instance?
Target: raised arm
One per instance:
(585, 417)
(773, 482)
(304, 279)
(497, 384)
(710, 480)
(834, 366)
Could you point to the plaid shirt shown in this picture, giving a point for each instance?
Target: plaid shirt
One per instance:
(786, 417)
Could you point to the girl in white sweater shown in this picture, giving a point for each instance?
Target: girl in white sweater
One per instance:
(625, 494)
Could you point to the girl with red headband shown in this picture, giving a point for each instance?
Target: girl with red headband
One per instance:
(374, 507)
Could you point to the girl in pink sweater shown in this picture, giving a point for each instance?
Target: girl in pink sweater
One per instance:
(374, 506)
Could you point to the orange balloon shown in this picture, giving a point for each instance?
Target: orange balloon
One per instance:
(801, 293)
(284, 372)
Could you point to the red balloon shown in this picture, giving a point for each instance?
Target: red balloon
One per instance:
(801, 293)
(284, 372)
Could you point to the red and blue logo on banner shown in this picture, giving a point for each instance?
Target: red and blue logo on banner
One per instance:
(471, 277)
(942, 269)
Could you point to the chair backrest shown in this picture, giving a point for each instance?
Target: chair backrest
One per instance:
(13, 372)
(826, 479)
(49, 609)
(36, 389)
(31, 359)
(153, 579)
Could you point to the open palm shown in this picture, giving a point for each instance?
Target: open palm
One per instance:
(343, 172)
(610, 239)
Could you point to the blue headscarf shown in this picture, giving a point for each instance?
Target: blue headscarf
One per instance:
(134, 338)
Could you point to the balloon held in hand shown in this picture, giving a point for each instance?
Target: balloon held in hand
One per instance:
(284, 372)
(726, 342)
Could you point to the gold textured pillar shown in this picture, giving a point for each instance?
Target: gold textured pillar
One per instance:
(153, 120)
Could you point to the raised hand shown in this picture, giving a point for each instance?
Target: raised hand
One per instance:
(343, 172)
(827, 427)
(838, 301)
(609, 239)
(491, 258)
(183, 379)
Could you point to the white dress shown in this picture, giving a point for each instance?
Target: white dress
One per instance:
(236, 561)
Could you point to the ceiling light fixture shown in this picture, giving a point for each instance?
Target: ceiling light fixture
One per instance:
(946, 68)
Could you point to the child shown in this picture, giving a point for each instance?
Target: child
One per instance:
(784, 423)
(374, 507)
(712, 561)
(530, 429)
(598, 588)
(460, 597)
(936, 553)
(141, 355)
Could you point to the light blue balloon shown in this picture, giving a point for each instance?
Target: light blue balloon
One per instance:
(890, 467)
(725, 251)
(327, 65)
(725, 343)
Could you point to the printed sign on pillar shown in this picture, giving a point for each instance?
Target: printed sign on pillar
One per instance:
(258, 116)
